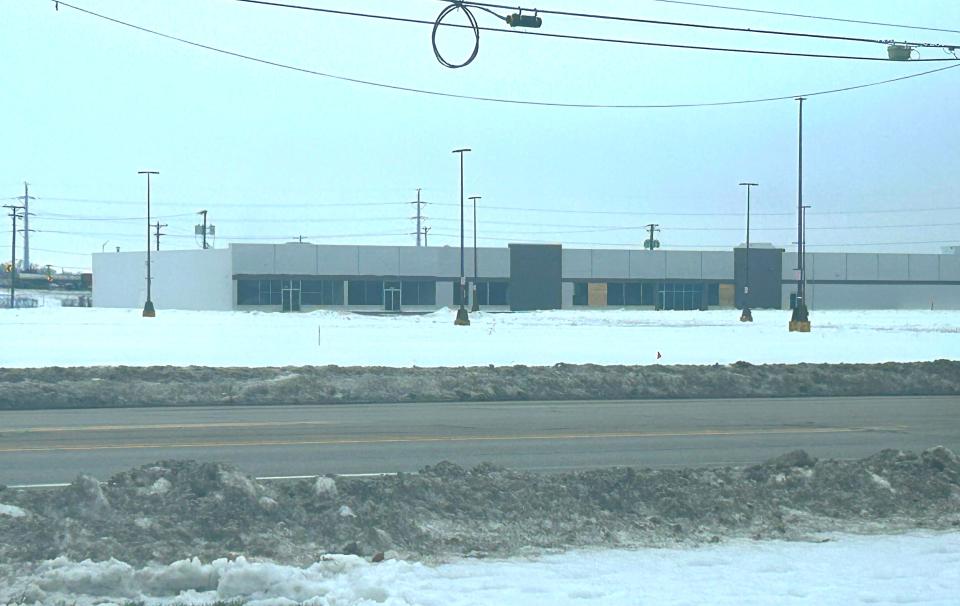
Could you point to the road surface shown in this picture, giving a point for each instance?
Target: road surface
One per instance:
(51, 446)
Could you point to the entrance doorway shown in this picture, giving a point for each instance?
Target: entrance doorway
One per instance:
(391, 296)
(290, 295)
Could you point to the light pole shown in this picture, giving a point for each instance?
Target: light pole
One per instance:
(148, 310)
(476, 303)
(463, 318)
(747, 316)
(800, 319)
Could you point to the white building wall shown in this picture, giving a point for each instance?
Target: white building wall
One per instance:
(182, 279)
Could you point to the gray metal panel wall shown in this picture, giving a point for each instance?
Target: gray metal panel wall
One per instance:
(536, 271)
(338, 260)
(609, 264)
(379, 260)
(893, 267)
(923, 267)
(567, 295)
(444, 294)
(950, 267)
(683, 265)
(419, 261)
(252, 259)
(765, 277)
(717, 265)
(295, 258)
(577, 264)
(493, 262)
(648, 264)
(862, 266)
(828, 266)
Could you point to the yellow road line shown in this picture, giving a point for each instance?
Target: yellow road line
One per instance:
(237, 424)
(423, 439)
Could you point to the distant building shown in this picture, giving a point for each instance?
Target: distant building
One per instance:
(304, 277)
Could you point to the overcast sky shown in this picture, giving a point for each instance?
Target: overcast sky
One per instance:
(274, 154)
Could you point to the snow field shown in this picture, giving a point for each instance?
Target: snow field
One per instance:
(918, 568)
(54, 336)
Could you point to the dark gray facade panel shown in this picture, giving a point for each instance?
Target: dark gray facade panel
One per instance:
(536, 271)
(766, 269)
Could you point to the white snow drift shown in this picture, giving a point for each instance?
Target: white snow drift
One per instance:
(917, 569)
(53, 336)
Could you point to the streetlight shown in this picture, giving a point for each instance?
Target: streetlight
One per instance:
(746, 316)
(148, 310)
(800, 319)
(476, 303)
(463, 318)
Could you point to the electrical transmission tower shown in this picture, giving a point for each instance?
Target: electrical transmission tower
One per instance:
(26, 197)
(419, 216)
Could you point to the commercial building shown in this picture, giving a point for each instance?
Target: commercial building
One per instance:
(305, 277)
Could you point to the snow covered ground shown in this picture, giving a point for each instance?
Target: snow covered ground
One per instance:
(919, 568)
(51, 335)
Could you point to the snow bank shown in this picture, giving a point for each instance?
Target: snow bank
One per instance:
(211, 511)
(125, 386)
(53, 336)
(913, 568)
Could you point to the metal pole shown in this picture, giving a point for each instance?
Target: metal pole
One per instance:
(26, 226)
(800, 319)
(418, 216)
(476, 303)
(148, 309)
(747, 315)
(463, 318)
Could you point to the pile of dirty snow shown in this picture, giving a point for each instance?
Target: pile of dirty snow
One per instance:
(180, 509)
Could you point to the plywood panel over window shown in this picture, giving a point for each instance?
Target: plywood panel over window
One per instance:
(597, 294)
(726, 295)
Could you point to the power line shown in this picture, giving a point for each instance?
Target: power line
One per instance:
(694, 246)
(226, 205)
(498, 99)
(477, 28)
(658, 213)
(802, 16)
(745, 30)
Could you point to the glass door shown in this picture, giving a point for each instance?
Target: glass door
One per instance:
(391, 296)
(290, 295)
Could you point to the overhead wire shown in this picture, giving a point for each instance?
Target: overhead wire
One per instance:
(478, 28)
(726, 28)
(498, 99)
(804, 16)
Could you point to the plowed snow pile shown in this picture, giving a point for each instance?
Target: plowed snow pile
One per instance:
(179, 509)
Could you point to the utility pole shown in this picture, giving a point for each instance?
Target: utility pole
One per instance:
(747, 315)
(419, 204)
(651, 243)
(148, 309)
(800, 318)
(13, 252)
(425, 230)
(158, 234)
(26, 197)
(476, 304)
(463, 318)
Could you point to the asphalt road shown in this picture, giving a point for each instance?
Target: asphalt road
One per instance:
(52, 446)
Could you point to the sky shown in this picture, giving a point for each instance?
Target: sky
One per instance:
(275, 154)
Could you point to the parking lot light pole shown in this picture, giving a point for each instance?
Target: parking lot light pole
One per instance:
(476, 303)
(463, 318)
(800, 318)
(746, 315)
(148, 310)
